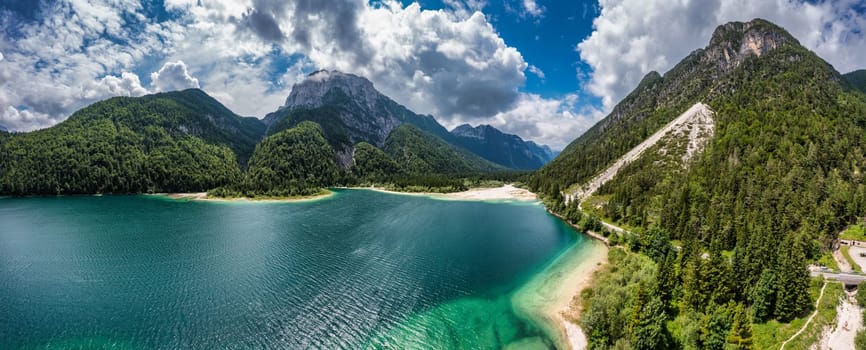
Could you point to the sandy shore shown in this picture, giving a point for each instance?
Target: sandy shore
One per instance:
(502, 193)
(202, 196)
(552, 298)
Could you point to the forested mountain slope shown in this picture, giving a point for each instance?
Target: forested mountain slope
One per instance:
(168, 142)
(781, 175)
(857, 78)
(505, 149)
(417, 152)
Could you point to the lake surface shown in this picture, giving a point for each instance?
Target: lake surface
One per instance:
(360, 269)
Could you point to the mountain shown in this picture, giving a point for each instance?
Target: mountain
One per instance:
(350, 110)
(857, 78)
(169, 142)
(703, 74)
(292, 160)
(373, 164)
(771, 184)
(3, 129)
(506, 149)
(418, 152)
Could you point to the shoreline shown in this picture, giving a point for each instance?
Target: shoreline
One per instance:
(505, 192)
(551, 299)
(203, 197)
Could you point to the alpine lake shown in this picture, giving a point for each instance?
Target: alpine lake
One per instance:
(358, 269)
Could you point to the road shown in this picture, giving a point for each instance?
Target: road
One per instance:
(846, 278)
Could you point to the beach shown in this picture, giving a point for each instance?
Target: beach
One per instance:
(202, 196)
(552, 298)
(502, 193)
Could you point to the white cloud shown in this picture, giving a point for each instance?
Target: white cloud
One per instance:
(450, 63)
(633, 37)
(537, 71)
(13, 119)
(532, 9)
(128, 84)
(436, 62)
(173, 76)
(555, 122)
(1, 56)
(65, 60)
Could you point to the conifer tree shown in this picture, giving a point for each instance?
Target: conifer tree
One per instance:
(740, 337)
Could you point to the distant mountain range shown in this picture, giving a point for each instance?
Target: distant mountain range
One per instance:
(351, 110)
(187, 141)
(506, 149)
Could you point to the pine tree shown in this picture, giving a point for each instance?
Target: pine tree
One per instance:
(763, 296)
(666, 279)
(692, 298)
(714, 327)
(650, 332)
(740, 337)
(792, 289)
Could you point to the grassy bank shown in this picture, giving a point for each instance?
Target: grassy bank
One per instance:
(772, 334)
(846, 252)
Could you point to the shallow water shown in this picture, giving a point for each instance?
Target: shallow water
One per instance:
(358, 269)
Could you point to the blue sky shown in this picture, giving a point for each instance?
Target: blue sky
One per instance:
(542, 69)
(547, 43)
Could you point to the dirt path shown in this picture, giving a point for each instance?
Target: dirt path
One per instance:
(817, 303)
(696, 122)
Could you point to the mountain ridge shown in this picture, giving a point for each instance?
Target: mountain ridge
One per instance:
(351, 110)
(502, 148)
(775, 183)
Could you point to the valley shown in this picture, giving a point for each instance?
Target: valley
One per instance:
(720, 204)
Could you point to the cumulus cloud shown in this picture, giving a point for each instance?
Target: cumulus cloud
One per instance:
(633, 37)
(64, 58)
(436, 62)
(449, 63)
(128, 84)
(532, 9)
(173, 76)
(13, 119)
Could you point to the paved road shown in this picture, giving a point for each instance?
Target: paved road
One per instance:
(847, 278)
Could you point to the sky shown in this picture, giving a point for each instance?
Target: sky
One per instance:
(542, 69)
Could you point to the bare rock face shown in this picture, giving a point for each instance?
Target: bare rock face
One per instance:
(349, 109)
(732, 43)
(313, 91)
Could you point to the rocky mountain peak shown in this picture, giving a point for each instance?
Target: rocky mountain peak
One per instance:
(733, 42)
(324, 87)
(479, 131)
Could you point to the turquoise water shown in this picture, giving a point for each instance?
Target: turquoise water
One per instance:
(359, 269)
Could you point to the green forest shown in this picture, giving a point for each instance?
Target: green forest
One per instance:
(157, 143)
(187, 142)
(721, 243)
